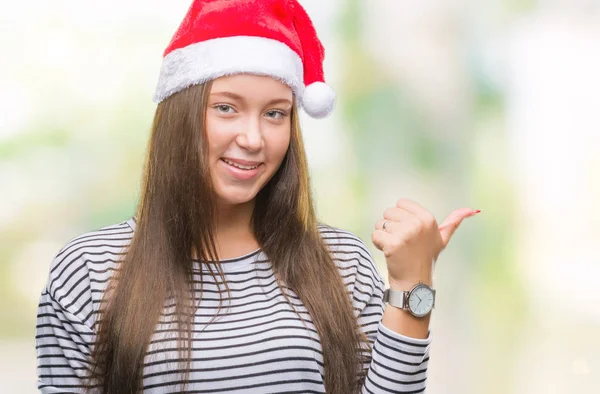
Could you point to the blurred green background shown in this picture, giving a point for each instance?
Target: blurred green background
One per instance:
(491, 105)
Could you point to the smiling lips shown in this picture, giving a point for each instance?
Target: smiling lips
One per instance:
(241, 171)
(243, 164)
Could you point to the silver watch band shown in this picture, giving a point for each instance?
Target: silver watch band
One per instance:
(396, 298)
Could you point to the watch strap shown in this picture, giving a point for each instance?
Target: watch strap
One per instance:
(396, 298)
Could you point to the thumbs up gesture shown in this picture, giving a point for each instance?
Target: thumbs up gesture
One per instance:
(411, 240)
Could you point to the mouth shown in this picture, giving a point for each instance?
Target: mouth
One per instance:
(242, 172)
(240, 166)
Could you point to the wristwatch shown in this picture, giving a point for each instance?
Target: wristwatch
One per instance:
(419, 301)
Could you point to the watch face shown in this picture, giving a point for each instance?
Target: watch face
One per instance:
(420, 300)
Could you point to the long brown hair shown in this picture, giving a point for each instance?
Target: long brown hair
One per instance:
(175, 218)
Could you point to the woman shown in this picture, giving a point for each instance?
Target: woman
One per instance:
(224, 280)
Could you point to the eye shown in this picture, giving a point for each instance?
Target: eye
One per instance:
(276, 114)
(224, 108)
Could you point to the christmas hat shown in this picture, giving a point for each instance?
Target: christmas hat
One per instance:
(263, 37)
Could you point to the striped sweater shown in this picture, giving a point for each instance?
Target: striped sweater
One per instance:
(258, 344)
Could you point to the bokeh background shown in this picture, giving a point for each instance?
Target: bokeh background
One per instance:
(453, 103)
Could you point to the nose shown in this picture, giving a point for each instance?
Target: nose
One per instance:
(250, 137)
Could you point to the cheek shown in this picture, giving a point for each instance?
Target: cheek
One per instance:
(218, 136)
(281, 144)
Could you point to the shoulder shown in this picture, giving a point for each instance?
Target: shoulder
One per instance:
(89, 257)
(352, 257)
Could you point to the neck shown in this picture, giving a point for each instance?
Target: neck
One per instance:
(234, 219)
(234, 234)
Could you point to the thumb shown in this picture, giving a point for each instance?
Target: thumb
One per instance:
(452, 221)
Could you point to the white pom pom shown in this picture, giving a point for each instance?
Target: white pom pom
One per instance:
(318, 100)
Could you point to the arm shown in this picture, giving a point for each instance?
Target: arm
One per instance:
(411, 240)
(63, 338)
(62, 346)
(402, 321)
(398, 362)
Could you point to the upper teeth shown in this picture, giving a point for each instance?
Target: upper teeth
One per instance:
(239, 165)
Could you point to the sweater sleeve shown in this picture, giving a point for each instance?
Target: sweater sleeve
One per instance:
(63, 340)
(398, 364)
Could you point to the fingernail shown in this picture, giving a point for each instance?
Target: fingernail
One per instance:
(476, 212)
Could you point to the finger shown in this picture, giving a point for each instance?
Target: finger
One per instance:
(379, 224)
(388, 227)
(460, 213)
(452, 221)
(411, 206)
(415, 208)
(396, 214)
(381, 239)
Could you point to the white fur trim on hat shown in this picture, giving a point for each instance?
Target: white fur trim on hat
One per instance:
(318, 100)
(210, 59)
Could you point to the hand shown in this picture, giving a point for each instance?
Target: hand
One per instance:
(412, 240)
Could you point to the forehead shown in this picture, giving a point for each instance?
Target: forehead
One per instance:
(252, 86)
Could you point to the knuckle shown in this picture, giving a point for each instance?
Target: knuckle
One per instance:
(402, 201)
(387, 252)
(427, 223)
(431, 222)
(411, 234)
(417, 225)
(388, 212)
(396, 243)
(374, 237)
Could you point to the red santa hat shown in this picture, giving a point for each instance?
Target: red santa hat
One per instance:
(263, 37)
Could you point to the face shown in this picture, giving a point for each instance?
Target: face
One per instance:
(248, 126)
(421, 301)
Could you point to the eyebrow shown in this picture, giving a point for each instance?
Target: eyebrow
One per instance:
(240, 98)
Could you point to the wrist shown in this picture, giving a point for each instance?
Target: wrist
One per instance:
(415, 297)
(408, 284)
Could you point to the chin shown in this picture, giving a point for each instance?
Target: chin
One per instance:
(237, 193)
(236, 197)
(234, 201)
